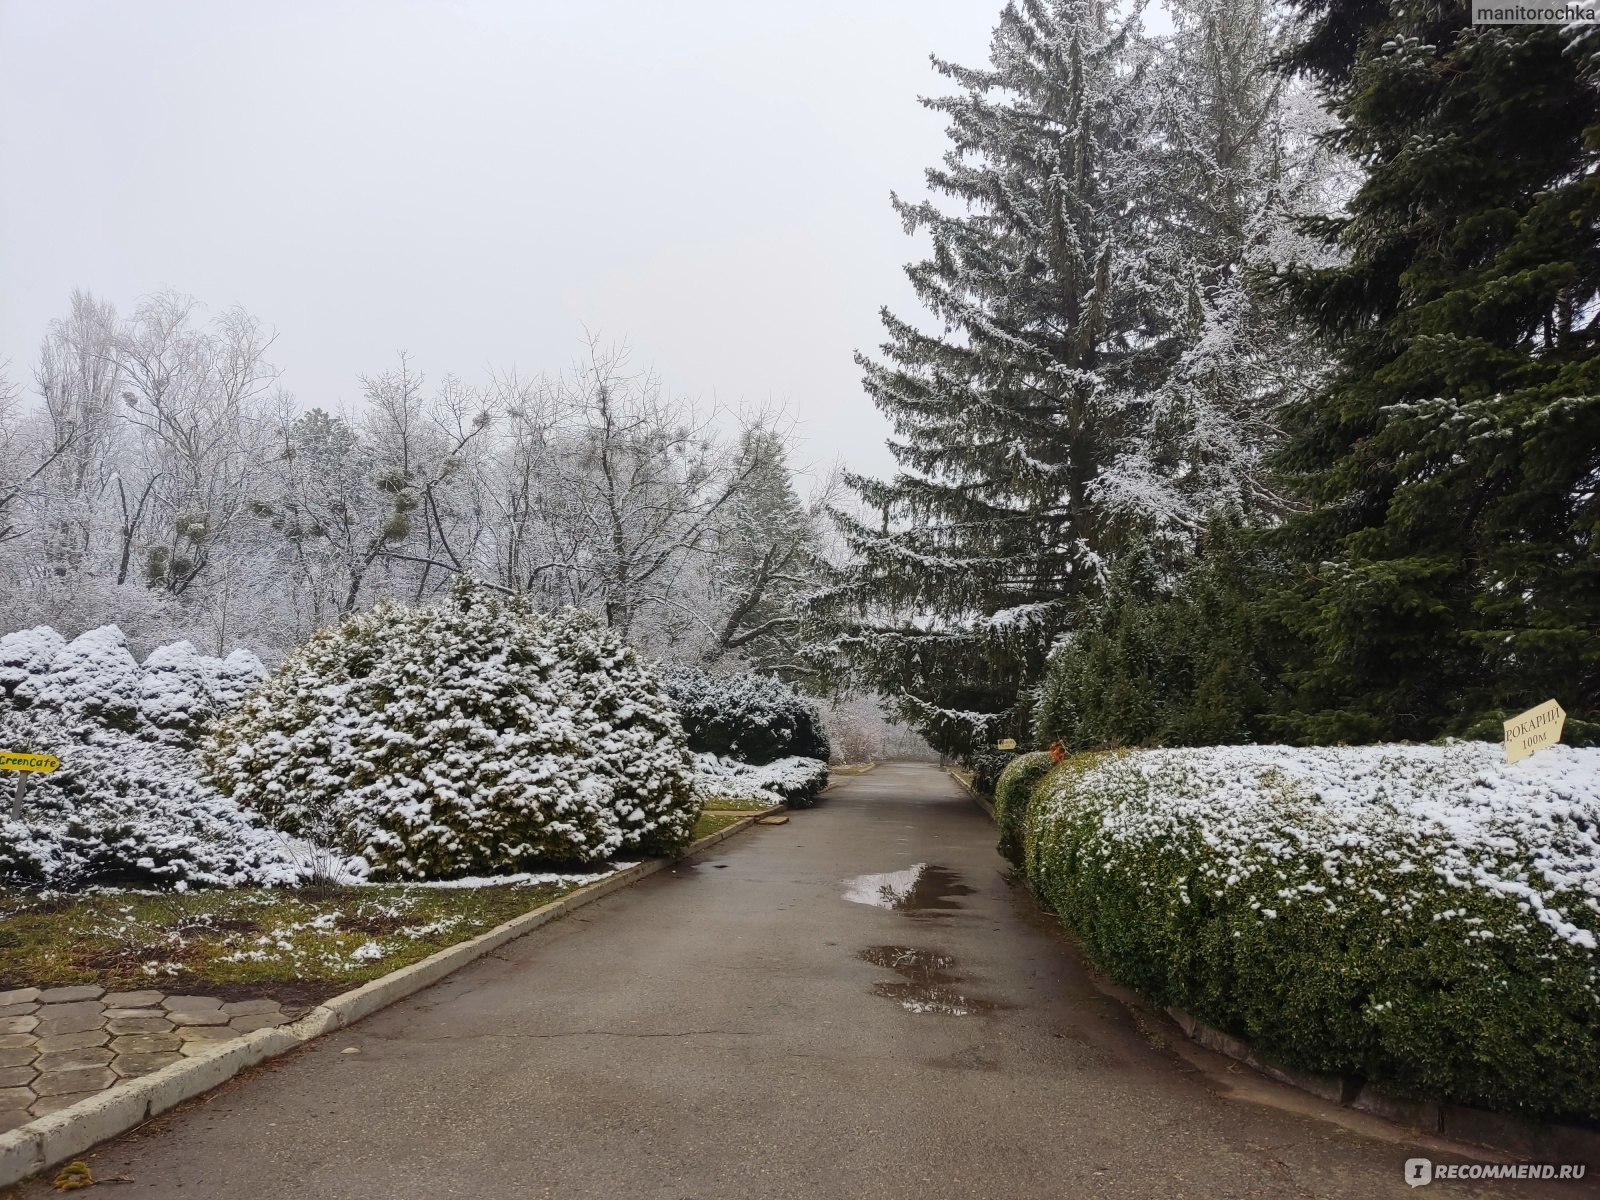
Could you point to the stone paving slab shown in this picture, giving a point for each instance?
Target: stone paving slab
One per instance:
(60, 1045)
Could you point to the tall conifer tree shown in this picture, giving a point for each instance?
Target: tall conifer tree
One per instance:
(1453, 463)
(1054, 315)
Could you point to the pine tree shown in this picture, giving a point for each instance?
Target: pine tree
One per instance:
(1452, 462)
(1055, 319)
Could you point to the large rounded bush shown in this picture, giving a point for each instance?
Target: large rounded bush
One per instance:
(1422, 917)
(630, 732)
(475, 738)
(752, 718)
(1012, 792)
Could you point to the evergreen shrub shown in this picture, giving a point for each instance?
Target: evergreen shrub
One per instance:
(126, 806)
(794, 782)
(987, 766)
(1012, 793)
(475, 738)
(1422, 917)
(753, 718)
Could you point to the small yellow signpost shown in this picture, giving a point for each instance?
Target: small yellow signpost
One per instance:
(1528, 733)
(1006, 744)
(25, 762)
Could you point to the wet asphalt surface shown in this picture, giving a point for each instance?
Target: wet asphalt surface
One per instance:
(738, 1027)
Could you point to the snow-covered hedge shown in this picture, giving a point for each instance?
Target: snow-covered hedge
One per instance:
(95, 678)
(796, 782)
(752, 718)
(476, 738)
(127, 805)
(1425, 917)
(128, 810)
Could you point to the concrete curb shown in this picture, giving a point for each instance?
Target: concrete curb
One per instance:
(1504, 1132)
(54, 1139)
(987, 806)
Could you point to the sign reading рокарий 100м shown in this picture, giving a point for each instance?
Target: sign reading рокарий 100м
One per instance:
(1534, 730)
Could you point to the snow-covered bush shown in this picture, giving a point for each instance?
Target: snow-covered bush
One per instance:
(475, 738)
(796, 782)
(26, 654)
(95, 679)
(129, 810)
(127, 804)
(94, 676)
(630, 733)
(1012, 794)
(1424, 917)
(752, 718)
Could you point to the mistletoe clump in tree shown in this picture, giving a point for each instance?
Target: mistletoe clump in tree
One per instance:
(1055, 316)
(1452, 462)
(476, 738)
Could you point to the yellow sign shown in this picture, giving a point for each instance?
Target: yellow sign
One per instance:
(22, 760)
(1530, 732)
(1007, 744)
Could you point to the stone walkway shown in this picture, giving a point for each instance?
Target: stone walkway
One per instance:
(62, 1044)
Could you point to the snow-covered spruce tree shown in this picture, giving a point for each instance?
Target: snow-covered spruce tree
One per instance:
(476, 737)
(1158, 662)
(1056, 313)
(1245, 163)
(1452, 461)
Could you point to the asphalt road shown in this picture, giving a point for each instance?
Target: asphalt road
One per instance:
(740, 1027)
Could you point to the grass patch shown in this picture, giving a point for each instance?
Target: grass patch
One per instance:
(733, 804)
(852, 768)
(311, 941)
(712, 822)
(329, 938)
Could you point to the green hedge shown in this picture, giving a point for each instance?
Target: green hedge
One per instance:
(1011, 796)
(1412, 919)
(986, 768)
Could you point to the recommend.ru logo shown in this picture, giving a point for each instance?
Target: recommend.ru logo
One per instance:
(1419, 1171)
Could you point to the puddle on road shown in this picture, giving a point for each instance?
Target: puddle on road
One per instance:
(928, 984)
(918, 889)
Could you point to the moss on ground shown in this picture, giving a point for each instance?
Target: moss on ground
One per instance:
(184, 941)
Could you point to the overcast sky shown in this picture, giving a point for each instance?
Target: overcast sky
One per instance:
(474, 181)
